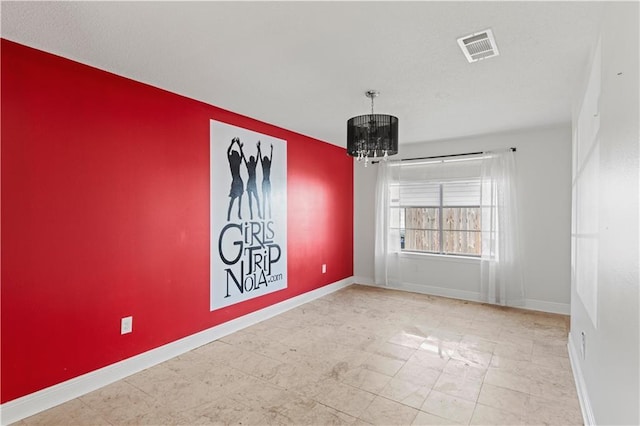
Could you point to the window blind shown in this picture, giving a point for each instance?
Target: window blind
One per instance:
(427, 194)
(419, 194)
(460, 194)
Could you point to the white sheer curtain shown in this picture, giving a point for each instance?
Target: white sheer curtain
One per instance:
(500, 275)
(382, 225)
(387, 239)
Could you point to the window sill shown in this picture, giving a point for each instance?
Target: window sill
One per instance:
(439, 257)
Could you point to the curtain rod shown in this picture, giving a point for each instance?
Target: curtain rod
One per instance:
(513, 149)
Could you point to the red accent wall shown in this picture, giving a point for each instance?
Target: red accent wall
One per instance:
(105, 214)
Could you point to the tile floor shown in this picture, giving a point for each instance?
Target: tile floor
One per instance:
(359, 356)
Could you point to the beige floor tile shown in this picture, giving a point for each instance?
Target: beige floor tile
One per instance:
(516, 335)
(365, 379)
(477, 343)
(73, 412)
(274, 334)
(447, 336)
(418, 372)
(323, 365)
(280, 352)
(408, 393)
(391, 350)
(342, 397)
(383, 411)
(294, 376)
(260, 328)
(184, 394)
(551, 361)
(243, 339)
(551, 348)
(174, 389)
(429, 419)
(434, 358)
(472, 357)
(485, 330)
(161, 416)
(260, 366)
(229, 355)
(358, 356)
(458, 322)
(455, 409)
(222, 379)
(499, 377)
(323, 415)
(222, 411)
(409, 340)
(559, 387)
(340, 370)
(515, 351)
(350, 339)
(513, 366)
(545, 332)
(119, 402)
(146, 379)
(465, 369)
(485, 415)
(434, 349)
(553, 411)
(459, 387)
(383, 364)
(256, 416)
(189, 369)
(304, 411)
(552, 374)
(353, 357)
(258, 394)
(504, 399)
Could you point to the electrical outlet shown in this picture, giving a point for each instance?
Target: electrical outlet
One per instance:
(126, 325)
(324, 268)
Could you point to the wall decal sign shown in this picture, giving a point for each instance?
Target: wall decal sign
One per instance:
(248, 177)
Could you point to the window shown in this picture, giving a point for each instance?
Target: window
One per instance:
(438, 217)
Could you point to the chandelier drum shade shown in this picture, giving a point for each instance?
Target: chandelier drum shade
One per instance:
(372, 135)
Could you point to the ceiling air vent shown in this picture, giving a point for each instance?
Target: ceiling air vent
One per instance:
(478, 46)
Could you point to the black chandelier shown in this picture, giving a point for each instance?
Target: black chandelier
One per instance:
(372, 135)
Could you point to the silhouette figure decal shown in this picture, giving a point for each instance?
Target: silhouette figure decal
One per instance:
(266, 179)
(252, 188)
(237, 186)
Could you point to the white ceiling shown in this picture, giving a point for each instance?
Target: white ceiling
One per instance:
(305, 66)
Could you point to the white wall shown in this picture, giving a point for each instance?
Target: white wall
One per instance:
(608, 375)
(543, 159)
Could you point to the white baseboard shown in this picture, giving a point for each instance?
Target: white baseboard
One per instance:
(581, 386)
(425, 289)
(532, 304)
(44, 399)
(364, 281)
(551, 307)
